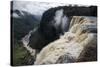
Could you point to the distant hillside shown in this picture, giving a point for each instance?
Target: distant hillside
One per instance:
(22, 23)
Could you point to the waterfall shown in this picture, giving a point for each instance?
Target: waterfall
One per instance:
(69, 46)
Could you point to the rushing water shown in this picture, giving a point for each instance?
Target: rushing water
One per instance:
(25, 40)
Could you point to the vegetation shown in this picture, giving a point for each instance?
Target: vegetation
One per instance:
(21, 56)
(20, 27)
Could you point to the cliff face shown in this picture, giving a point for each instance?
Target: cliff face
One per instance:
(56, 21)
(74, 45)
(65, 37)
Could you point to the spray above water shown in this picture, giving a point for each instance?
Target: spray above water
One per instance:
(58, 17)
(65, 23)
(61, 21)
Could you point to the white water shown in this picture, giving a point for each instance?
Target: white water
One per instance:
(72, 43)
(25, 40)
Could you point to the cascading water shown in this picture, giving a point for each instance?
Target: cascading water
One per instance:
(70, 45)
